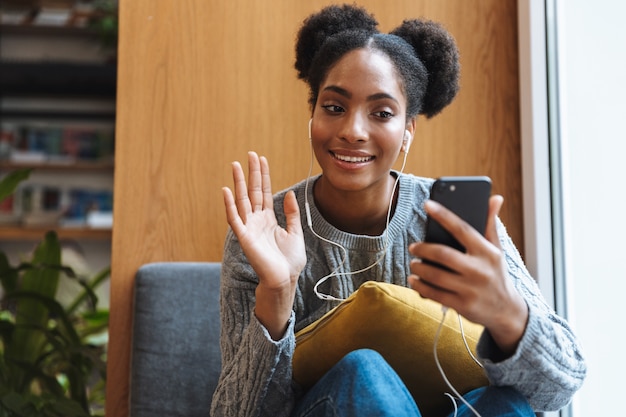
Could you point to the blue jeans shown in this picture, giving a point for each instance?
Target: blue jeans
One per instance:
(363, 384)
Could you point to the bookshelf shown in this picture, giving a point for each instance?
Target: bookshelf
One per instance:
(31, 234)
(57, 118)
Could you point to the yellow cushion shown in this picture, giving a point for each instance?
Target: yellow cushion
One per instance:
(401, 325)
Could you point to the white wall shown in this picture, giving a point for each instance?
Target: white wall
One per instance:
(579, 59)
(592, 89)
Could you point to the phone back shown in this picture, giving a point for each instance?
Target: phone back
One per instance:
(468, 198)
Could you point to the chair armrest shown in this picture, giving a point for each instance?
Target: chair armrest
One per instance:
(175, 358)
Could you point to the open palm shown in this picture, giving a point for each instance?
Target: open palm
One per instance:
(277, 255)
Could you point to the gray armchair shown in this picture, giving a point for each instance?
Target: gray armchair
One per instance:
(176, 360)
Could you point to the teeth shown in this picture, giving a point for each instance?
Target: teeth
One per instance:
(353, 158)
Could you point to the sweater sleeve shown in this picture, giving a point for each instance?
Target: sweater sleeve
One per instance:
(548, 366)
(256, 378)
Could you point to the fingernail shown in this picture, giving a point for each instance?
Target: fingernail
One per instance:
(431, 204)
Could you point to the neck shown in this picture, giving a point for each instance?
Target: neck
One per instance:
(361, 212)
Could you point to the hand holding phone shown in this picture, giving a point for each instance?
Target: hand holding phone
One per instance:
(468, 198)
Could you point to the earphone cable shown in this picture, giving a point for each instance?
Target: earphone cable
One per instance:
(442, 372)
(336, 272)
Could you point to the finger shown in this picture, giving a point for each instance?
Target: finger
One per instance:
(436, 275)
(232, 215)
(255, 187)
(435, 252)
(241, 191)
(491, 232)
(432, 292)
(292, 214)
(266, 183)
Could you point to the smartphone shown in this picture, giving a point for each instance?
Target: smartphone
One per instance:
(468, 198)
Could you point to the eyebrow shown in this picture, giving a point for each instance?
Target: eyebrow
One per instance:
(347, 94)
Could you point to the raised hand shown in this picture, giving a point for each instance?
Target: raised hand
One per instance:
(277, 255)
(478, 286)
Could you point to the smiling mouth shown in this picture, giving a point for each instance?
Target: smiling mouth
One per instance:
(353, 159)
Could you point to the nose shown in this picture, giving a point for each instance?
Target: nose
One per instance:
(354, 128)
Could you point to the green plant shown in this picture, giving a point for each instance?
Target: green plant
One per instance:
(105, 22)
(49, 363)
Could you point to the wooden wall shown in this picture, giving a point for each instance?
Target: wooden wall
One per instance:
(201, 82)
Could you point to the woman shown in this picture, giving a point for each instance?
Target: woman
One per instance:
(366, 91)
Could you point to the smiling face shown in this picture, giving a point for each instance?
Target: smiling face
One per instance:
(359, 123)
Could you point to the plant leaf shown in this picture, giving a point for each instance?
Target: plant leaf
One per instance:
(6, 331)
(68, 408)
(27, 342)
(8, 275)
(53, 308)
(89, 290)
(9, 183)
(17, 405)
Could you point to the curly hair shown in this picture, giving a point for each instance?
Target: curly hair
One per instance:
(423, 53)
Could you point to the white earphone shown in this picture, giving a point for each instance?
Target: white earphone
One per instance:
(310, 123)
(407, 141)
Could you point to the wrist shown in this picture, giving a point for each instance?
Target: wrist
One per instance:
(510, 326)
(273, 309)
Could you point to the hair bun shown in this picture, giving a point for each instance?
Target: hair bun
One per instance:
(318, 27)
(437, 49)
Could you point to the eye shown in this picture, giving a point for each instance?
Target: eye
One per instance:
(384, 114)
(333, 108)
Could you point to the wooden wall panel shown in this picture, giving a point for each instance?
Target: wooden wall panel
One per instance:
(201, 82)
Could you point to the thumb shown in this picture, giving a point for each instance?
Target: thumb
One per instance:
(491, 230)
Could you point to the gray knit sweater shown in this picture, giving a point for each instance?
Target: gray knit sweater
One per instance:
(256, 378)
